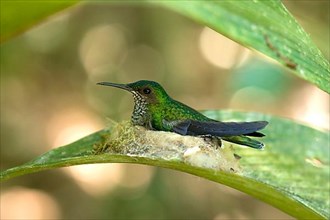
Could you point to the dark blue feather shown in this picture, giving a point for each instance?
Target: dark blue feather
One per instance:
(219, 129)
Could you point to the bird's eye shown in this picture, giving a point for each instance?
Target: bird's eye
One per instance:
(146, 91)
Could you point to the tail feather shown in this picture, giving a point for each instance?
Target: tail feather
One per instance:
(255, 134)
(246, 141)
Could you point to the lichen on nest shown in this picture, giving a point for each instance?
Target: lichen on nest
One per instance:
(130, 140)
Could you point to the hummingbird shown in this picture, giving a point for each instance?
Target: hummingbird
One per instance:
(154, 109)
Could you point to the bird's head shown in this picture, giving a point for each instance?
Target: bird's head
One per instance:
(144, 90)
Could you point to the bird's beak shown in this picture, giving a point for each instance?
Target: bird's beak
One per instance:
(121, 86)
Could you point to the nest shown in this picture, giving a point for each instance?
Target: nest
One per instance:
(202, 152)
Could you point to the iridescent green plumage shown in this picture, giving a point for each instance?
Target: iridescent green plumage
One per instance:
(156, 110)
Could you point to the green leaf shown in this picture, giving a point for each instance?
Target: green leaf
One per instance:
(292, 173)
(265, 26)
(18, 16)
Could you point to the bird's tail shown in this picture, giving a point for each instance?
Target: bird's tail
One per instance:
(246, 141)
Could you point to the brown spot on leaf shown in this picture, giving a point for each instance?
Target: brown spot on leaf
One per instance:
(288, 62)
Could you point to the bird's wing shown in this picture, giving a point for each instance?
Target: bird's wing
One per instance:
(220, 129)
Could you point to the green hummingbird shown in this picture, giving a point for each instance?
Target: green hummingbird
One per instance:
(154, 109)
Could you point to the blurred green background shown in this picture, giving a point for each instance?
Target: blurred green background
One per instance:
(49, 98)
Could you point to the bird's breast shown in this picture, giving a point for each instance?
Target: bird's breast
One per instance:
(141, 114)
